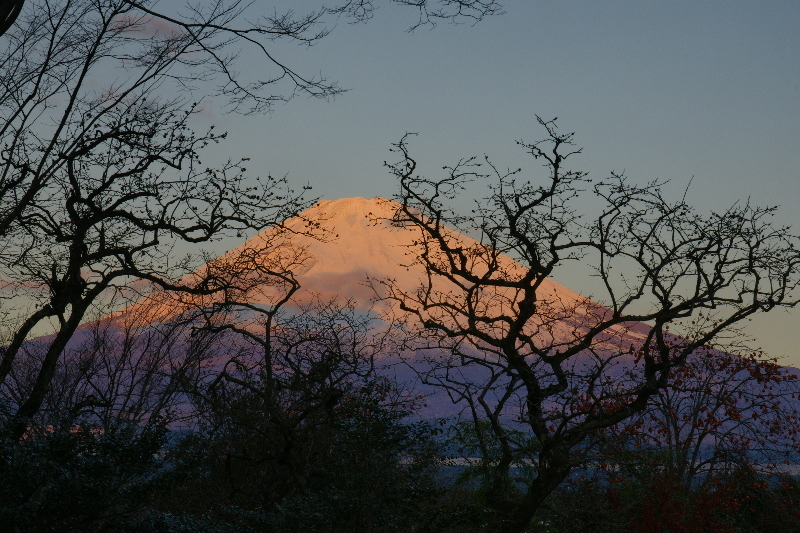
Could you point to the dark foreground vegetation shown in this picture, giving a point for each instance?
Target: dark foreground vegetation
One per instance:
(361, 466)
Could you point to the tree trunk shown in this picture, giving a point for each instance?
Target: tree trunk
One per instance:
(545, 483)
(36, 397)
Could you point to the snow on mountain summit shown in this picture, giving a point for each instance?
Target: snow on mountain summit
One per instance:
(343, 249)
(358, 237)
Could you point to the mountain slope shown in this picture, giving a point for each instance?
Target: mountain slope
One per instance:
(343, 250)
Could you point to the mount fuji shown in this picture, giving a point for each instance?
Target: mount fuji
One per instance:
(344, 250)
(351, 250)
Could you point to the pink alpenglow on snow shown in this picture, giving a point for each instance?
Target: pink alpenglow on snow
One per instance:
(344, 250)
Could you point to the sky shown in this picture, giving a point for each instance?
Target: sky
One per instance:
(704, 94)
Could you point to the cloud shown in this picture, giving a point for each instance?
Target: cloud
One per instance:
(147, 26)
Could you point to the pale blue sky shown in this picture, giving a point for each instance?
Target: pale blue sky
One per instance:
(669, 90)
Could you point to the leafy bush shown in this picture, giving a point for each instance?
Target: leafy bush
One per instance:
(358, 465)
(69, 477)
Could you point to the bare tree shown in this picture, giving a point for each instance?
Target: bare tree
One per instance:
(100, 180)
(295, 354)
(523, 350)
(274, 364)
(137, 365)
(721, 413)
(98, 183)
(117, 373)
(275, 395)
(430, 12)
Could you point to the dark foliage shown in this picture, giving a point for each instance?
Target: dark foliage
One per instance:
(358, 466)
(69, 477)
